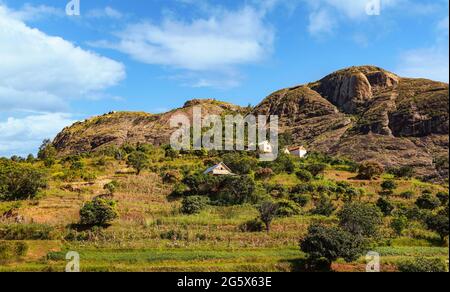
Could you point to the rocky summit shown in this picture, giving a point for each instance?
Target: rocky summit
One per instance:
(362, 113)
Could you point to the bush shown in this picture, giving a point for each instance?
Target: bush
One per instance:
(19, 182)
(111, 187)
(399, 223)
(443, 197)
(331, 243)
(193, 204)
(304, 175)
(255, 225)
(324, 206)
(423, 265)
(402, 172)
(388, 187)
(316, 168)
(407, 195)
(240, 164)
(370, 170)
(98, 212)
(26, 232)
(428, 202)
(286, 208)
(360, 219)
(300, 199)
(385, 206)
(236, 190)
(171, 176)
(12, 250)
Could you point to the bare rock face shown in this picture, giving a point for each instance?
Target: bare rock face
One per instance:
(362, 113)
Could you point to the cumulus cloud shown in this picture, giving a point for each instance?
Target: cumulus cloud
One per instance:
(107, 12)
(24, 135)
(216, 43)
(40, 72)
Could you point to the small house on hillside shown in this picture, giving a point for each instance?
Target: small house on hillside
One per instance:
(298, 151)
(219, 169)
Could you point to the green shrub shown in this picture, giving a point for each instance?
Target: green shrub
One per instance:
(300, 199)
(26, 232)
(402, 172)
(360, 219)
(286, 208)
(173, 235)
(171, 176)
(399, 223)
(138, 160)
(316, 168)
(304, 175)
(235, 190)
(331, 243)
(324, 206)
(428, 202)
(193, 204)
(264, 173)
(267, 212)
(255, 225)
(407, 195)
(388, 187)
(423, 265)
(443, 197)
(438, 224)
(240, 163)
(98, 212)
(111, 187)
(385, 206)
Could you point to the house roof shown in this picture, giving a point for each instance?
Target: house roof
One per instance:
(297, 148)
(216, 166)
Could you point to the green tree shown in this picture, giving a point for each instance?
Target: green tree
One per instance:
(428, 202)
(47, 151)
(267, 213)
(438, 224)
(304, 175)
(388, 187)
(98, 212)
(316, 168)
(360, 219)
(399, 223)
(323, 243)
(324, 206)
(385, 206)
(138, 160)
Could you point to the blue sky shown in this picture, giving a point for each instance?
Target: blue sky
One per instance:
(153, 55)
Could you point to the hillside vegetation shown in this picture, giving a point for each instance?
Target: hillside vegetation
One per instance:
(144, 208)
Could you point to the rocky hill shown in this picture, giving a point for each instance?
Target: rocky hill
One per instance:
(364, 113)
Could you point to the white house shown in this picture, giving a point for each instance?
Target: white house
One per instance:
(265, 147)
(298, 151)
(219, 169)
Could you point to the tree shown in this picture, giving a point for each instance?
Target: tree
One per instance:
(287, 208)
(428, 202)
(194, 204)
(331, 243)
(240, 164)
(370, 170)
(235, 190)
(360, 219)
(19, 182)
(438, 224)
(47, 151)
(268, 212)
(423, 265)
(98, 212)
(324, 206)
(138, 160)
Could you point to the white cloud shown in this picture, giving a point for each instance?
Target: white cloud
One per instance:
(29, 12)
(320, 22)
(429, 62)
(216, 43)
(41, 72)
(24, 135)
(107, 12)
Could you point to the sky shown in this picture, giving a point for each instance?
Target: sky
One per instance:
(153, 55)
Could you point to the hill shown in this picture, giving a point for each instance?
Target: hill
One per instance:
(362, 113)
